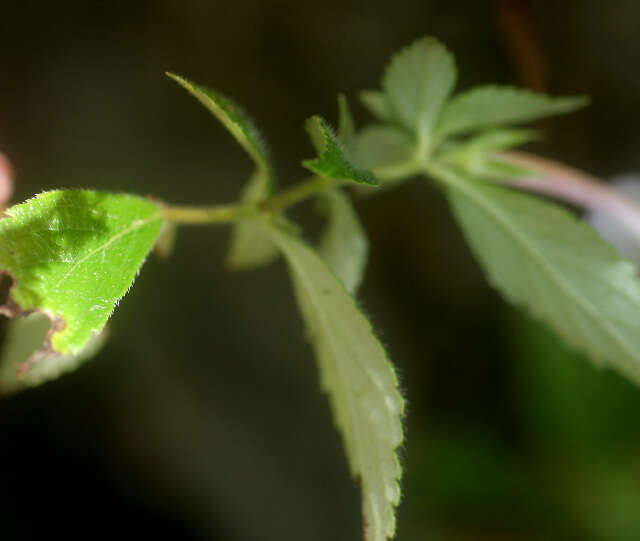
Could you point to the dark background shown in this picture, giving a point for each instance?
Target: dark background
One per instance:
(202, 418)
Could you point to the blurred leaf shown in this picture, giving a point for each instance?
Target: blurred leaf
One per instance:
(250, 246)
(489, 106)
(417, 83)
(333, 161)
(539, 256)
(73, 255)
(24, 337)
(346, 125)
(234, 119)
(386, 151)
(377, 104)
(344, 245)
(360, 380)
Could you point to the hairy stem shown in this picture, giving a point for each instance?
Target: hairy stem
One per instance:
(220, 214)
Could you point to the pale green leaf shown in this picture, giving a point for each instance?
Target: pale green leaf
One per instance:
(490, 106)
(234, 119)
(359, 378)
(417, 83)
(385, 150)
(377, 104)
(346, 125)
(541, 257)
(344, 244)
(23, 339)
(73, 255)
(333, 161)
(250, 246)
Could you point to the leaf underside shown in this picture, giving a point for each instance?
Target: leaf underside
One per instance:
(72, 255)
(540, 256)
(359, 378)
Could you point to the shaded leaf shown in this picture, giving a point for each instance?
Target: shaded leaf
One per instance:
(541, 257)
(417, 83)
(490, 106)
(344, 244)
(333, 161)
(346, 125)
(233, 118)
(359, 378)
(24, 338)
(250, 246)
(73, 255)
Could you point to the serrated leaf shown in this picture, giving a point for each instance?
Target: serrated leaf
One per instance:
(541, 257)
(333, 161)
(491, 105)
(73, 255)
(346, 125)
(234, 119)
(359, 378)
(417, 83)
(344, 244)
(377, 104)
(24, 337)
(250, 246)
(385, 150)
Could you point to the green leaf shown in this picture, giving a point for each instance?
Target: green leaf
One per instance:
(541, 257)
(490, 106)
(377, 104)
(250, 246)
(346, 125)
(24, 338)
(344, 244)
(478, 155)
(234, 119)
(73, 255)
(385, 150)
(359, 378)
(417, 82)
(333, 161)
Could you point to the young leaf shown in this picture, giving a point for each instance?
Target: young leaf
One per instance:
(540, 256)
(490, 106)
(417, 83)
(234, 119)
(72, 255)
(333, 161)
(377, 104)
(346, 125)
(24, 337)
(250, 246)
(344, 244)
(359, 378)
(385, 150)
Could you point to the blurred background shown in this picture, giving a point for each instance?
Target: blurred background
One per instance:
(201, 419)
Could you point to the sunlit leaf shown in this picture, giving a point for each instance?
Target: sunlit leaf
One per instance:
(333, 161)
(489, 106)
(417, 83)
(73, 255)
(541, 257)
(344, 244)
(359, 378)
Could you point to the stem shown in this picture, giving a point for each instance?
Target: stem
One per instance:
(297, 193)
(573, 186)
(203, 215)
(221, 214)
